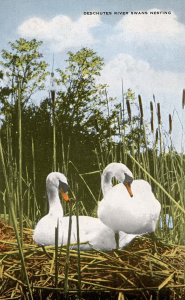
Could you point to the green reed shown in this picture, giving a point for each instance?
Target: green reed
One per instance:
(148, 158)
(66, 272)
(9, 193)
(20, 161)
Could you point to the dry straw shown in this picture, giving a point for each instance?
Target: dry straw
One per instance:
(145, 266)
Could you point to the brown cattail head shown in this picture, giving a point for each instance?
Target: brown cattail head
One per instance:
(152, 116)
(119, 126)
(183, 98)
(129, 110)
(152, 123)
(159, 113)
(120, 111)
(151, 107)
(156, 135)
(141, 108)
(170, 124)
(53, 96)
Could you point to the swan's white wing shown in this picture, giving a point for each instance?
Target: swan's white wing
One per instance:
(92, 232)
(44, 232)
(125, 239)
(135, 215)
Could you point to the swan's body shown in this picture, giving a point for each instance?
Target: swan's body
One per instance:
(133, 215)
(93, 232)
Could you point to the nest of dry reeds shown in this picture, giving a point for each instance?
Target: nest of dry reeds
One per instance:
(145, 269)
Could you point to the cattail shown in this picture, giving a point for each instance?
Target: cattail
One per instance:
(120, 112)
(53, 96)
(159, 113)
(96, 125)
(152, 123)
(156, 135)
(183, 98)
(151, 107)
(141, 108)
(170, 124)
(128, 109)
(119, 127)
(152, 116)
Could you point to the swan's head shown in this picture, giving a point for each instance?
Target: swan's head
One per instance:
(124, 175)
(56, 180)
(127, 183)
(121, 173)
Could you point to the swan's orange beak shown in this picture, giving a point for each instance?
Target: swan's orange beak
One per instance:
(64, 196)
(128, 187)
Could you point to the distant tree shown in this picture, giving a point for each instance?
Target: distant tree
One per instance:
(23, 65)
(80, 96)
(23, 73)
(82, 105)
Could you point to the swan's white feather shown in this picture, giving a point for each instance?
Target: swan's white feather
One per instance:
(133, 215)
(92, 232)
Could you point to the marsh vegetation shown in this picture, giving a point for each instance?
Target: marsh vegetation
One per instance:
(77, 128)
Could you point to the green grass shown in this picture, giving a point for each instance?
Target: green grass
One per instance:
(163, 168)
(22, 201)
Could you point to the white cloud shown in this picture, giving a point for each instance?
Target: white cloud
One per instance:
(143, 79)
(150, 27)
(61, 32)
(138, 75)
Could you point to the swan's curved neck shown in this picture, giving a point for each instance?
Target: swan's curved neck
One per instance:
(55, 206)
(117, 170)
(106, 182)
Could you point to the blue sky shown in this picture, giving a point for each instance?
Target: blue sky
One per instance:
(146, 51)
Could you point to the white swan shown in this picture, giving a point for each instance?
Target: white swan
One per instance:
(93, 232)
(129, 206)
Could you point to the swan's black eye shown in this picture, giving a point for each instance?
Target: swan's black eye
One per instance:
(128, 178)
(63, 186)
